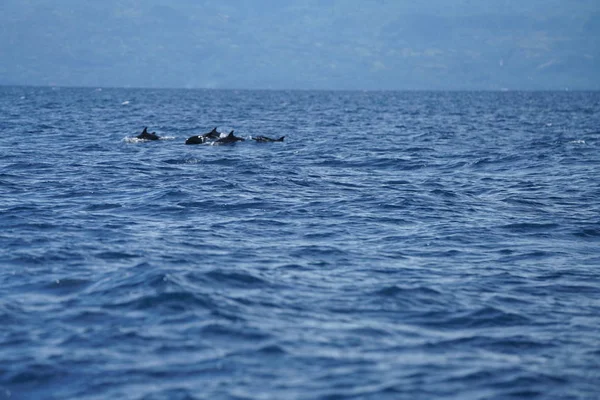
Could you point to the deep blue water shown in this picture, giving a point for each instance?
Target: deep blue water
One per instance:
(396, 245)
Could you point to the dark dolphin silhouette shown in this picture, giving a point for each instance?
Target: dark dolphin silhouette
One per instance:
(231, 138)
(199, 139)
(264, 139)
(145, 135)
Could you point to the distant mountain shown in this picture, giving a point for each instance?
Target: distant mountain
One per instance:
(307, 44)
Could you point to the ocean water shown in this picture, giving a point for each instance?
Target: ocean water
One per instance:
(396, 245)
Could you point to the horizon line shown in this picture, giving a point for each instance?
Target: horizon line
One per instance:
(109, 87)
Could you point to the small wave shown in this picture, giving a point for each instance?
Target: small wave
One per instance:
(531, 255)
(444, 193)
(34, 374)
(524, 202)
(497, 161)
(272, 349)
(588, 289)
(588, 232)
(318, 251)
(484, 317)
(225, 331)
(530, 227)
(508, 345)
(224, 162)
(409, 298)
(397, 182)
(178, 301)
(394, 291)
(67, 285)
(368, 331)
(103, 206)
(206, 204)
(512, 383)
(115, 255)
(419, 149)
(178, 161)
(241, 279)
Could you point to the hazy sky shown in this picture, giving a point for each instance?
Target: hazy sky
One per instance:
(306, 44)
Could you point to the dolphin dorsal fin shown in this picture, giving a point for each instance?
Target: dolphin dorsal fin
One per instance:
(214, 130)
(231, 133)
(145, 129)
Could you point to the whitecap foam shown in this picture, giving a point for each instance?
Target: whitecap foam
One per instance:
(128, 139)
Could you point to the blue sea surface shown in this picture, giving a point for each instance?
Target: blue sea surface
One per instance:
(396, 245)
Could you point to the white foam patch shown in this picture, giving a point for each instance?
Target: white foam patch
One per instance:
(125, 103)
(128, 139)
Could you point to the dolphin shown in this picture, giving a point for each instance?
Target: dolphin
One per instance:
(145, 135)
(264, 139)
(231, 138)
(199, 139)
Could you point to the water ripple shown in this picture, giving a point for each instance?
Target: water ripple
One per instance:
(450, 252)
